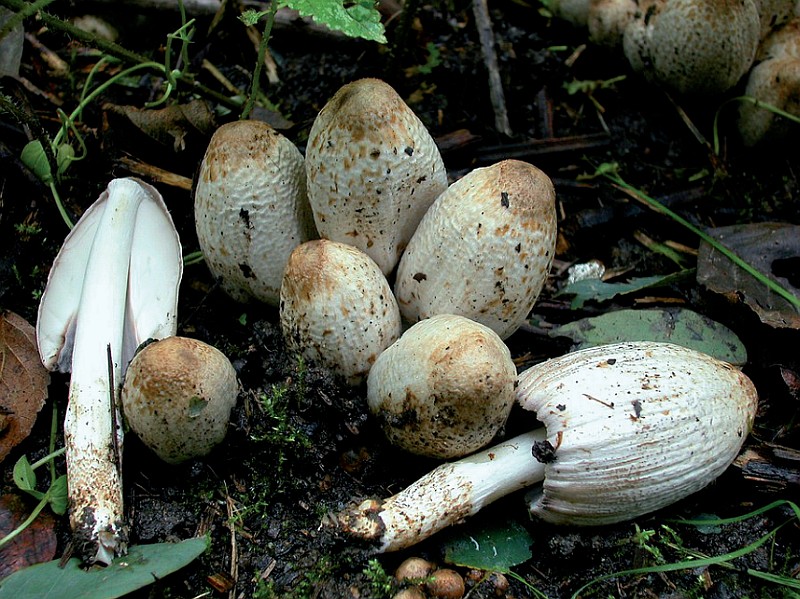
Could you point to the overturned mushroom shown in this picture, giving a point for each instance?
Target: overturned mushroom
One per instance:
(251, 209)
(113, 284)
(178, 396)
(444, 389)
(483, 250)
(337, 308)
(629, 428)
(373, 170)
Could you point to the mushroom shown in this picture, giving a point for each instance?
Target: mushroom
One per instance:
(774, 80)
(251, 208)
(178, 396)
(373, 170)
(337, 309)
(629, 428)
(444, 389)
(693, 46)
(483, 249)
(113, 284)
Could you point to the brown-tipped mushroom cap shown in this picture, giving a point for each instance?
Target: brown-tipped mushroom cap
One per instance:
(444, 389)
(337, 308)
(483, 250)
(373, 170)
(251, 208)
(177, 397)
(694, 47)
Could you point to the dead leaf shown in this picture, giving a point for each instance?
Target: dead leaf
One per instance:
(35, 544)
(23, 381)
(771, 248)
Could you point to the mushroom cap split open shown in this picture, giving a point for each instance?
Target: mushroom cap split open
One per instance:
(251, 208)
(633, 427)
(444, 389)
(337, 308)
(177, 397)
(373, 170)
(483, 250)
(694, 47)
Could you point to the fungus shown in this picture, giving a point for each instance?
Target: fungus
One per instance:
(444, 389)
(373, 170)
(177, 397)
(629, 428)
(483, 249)
(113, 284)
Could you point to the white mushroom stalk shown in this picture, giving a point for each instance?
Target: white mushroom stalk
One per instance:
(629, 428)
(113, 285)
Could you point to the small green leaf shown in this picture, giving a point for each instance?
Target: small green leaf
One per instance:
(34, 157)
(600, 291)
(57, 495)
(251, 16)
(492, 546)
(24, 476)
(196, 406)
(64, 157)
(143, 565)
(356, 18)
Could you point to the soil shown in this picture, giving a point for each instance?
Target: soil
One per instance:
(301, 445)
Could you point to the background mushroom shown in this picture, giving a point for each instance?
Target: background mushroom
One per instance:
(337, 308)
(483, 249)
(629, 428)
(444, 389)
(373, 170)
(177, 397)
(251, 208)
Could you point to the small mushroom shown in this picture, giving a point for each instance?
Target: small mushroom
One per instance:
(628, 428)
(444, 389)
(373, 170)
(483, 250)
(251, 208)
(177, 397)
(337, 309)
(775, 80)
(694, 47)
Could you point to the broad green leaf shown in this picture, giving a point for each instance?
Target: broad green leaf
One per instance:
(356, 18)
(600, 291)
(34, 158)
(57, 495)
(143, 565)
(24, 476)
(64, 157)
(672, 325)
(491, 546)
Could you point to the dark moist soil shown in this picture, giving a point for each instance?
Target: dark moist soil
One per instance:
(301, 446)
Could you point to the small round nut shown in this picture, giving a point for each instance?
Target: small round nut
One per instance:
(414, 569)
(446, 584)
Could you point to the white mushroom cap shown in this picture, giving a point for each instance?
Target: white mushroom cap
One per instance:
(251, 208)
(483, 250)
(694, 46)
(444, 389)
(177, 397)
(607, 20)
(373, 170)
(337, 308)
(633, 427)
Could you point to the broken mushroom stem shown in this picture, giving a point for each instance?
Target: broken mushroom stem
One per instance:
(446, 495)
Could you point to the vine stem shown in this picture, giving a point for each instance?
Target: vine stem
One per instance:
(262, 52)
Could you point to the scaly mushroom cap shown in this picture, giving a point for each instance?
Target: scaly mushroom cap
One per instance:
(337, 308)
(251, 208)
(694, 46)
(373, 170)
(774, 80)
(633, 427)
(483, 249)
(177, 397)
(607, 19)
(444, 389)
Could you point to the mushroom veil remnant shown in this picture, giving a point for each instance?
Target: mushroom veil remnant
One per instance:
(373, 170)
(629, 428)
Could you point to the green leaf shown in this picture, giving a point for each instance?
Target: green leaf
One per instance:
(600, 291)
(57, 495)
(492, 546)
(24, 476)
(671, 325)
(143, 565)
(64, 157)
(34, 157)
(356, 18)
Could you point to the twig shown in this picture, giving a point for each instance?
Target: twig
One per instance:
(484, 25)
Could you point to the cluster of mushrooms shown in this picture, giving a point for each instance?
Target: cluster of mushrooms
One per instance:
(394, 279)
(706, 47)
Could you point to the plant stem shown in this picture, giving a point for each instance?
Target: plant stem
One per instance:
(262, 51)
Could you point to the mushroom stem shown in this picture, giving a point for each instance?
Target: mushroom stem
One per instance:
(446, 495)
